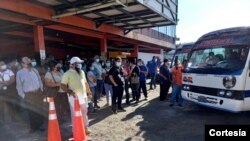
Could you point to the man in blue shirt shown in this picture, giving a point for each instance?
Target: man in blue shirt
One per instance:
(152, 68)
(143, 77)
(165, 81)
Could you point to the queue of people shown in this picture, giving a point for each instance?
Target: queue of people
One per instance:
(23, 81)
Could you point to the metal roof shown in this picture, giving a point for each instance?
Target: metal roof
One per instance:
(127, 14)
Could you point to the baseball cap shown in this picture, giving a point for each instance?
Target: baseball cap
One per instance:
(75, 60)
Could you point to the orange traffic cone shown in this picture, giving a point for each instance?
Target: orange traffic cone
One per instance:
(79, 128)
(53, 127)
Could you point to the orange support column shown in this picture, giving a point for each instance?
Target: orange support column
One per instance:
(39, 43)
(104, 47)
(134, 54)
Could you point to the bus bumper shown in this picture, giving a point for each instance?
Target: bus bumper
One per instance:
(220, 103)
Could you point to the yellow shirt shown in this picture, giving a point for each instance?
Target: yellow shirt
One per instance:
(75, 82)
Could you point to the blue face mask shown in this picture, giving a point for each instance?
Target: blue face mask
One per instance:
(79, 66)
(108, 64)
(92, 68)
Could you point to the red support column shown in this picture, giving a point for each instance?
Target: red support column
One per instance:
(39, 42)
(134, 54)
(104, 47)
(136, 51)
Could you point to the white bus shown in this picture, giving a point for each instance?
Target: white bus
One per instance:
(218, 71)
(182, 52)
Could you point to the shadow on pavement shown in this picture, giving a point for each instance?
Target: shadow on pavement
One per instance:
(163, 123)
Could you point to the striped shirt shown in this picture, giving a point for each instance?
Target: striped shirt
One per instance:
(28, 81)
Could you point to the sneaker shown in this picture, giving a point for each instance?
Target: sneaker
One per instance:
(106, 105)
(97, 107)
(146, 98)
(121, 109)
(128, 103)
(87, 131)
(114, 111)
(171, 105)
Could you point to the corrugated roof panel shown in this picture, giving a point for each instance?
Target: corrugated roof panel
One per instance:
(136, 22)
(111, 12)
(145, 25)
(118, 24)
(148, 15)
(156, 19)
(91, 15)
(50, 2)
(134, 8)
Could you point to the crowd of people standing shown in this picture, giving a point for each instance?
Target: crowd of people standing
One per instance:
(24, 80)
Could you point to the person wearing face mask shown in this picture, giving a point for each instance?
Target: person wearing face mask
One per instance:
(14, 65)
(165, 81)
(135, 80)
(99, 75)
(7, 92)
(75, 84)
(92, 84)
(108, 84)
(117, 80)
(53, 78)
(152, 69)
(143, 75)
(29, 87)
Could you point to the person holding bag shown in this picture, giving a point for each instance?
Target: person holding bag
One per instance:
(53, 80)
(135, 81)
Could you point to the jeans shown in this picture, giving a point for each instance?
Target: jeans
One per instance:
(176, 93)
(99, 88)
(135, 91)
(143, 88)
(108, 91)
(93, 100)
(152, 82)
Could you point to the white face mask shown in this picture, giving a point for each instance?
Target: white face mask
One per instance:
(4, 67)
(155, 60)
(118, 64)
(97, 60)
(33, 64)
(79, 66)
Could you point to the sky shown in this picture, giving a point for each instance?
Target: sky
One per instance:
(198, 17)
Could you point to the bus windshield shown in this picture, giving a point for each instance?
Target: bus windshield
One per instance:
(218, 60)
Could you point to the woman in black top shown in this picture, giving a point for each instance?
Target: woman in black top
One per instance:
(135, 81)
(117, 80)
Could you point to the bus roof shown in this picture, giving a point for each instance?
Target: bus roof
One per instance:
(223, 37)
(185, 48)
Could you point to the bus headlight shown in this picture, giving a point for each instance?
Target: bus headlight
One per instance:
(221, 93)
(229, 94)
(229, 81)
(187, 87)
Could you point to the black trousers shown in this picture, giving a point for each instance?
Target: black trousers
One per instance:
(36, 109)
(117, 97)
(61, 105)
(164, 88)
(135, 91)
(126, 87)
(143, 88)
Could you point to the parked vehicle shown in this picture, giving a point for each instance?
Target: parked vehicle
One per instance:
(218, 70)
